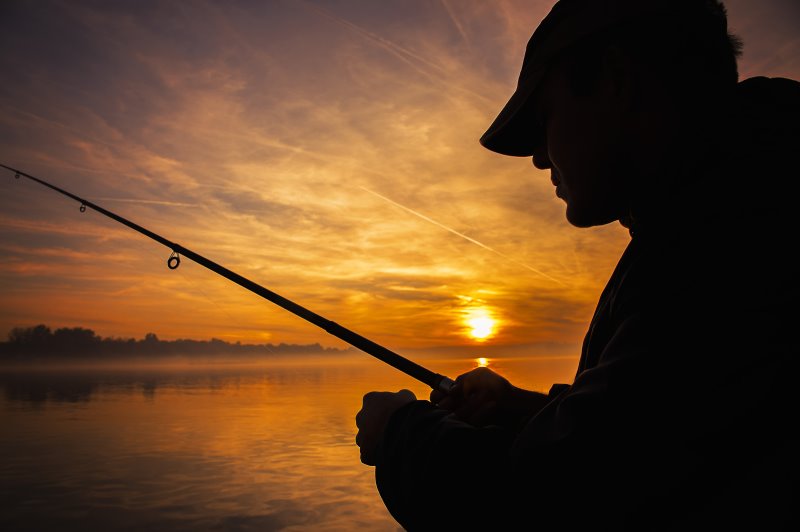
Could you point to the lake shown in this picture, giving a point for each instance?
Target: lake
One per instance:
(268, 446)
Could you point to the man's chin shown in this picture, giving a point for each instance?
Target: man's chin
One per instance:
(579, 218)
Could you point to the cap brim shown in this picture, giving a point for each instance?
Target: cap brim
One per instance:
(514, 132)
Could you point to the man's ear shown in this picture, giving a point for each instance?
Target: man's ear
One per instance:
(617, 75)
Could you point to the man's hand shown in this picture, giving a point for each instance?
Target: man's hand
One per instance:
(482, 397)
(371, 420)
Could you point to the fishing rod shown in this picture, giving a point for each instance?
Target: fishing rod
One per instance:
(412, 369)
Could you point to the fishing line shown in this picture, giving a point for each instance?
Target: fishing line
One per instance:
(412, 369)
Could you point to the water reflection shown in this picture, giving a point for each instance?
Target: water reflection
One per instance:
(266, 447)
(41, 387)
(68, 385)
(189, 448)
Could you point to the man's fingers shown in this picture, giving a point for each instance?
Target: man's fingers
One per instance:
(467, 408)
(407, 395)
(484, 414)
(447, 401)
(368, 397)
(477, 409)
(366, 449)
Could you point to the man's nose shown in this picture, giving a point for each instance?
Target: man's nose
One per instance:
(541, 160)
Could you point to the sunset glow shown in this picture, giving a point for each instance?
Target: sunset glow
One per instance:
(328, 151)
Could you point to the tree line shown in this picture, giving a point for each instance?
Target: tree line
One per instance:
(78, 342)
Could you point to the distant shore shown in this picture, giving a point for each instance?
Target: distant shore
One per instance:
(41, 343)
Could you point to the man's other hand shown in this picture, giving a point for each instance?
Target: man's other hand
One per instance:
(371, 420)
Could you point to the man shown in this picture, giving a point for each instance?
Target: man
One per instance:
(681, 413)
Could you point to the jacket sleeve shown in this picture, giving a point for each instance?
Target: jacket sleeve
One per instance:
(432, 468)
(435, 472)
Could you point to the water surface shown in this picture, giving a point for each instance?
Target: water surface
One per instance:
(190, 447)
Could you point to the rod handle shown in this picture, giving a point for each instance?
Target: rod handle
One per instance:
(445, 384)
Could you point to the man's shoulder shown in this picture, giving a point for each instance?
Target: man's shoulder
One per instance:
(778, 85)
(748, 179)
(769, 107)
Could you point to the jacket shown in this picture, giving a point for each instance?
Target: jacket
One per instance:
(681, 412)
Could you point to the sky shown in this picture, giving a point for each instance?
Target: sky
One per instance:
(327, 150)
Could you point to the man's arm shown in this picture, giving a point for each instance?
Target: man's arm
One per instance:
(603, 447)
(435, 472)
(432, 460)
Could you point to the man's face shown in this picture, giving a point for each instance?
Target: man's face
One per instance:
(584, 146)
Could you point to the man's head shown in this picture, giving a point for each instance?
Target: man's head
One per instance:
(604, 87)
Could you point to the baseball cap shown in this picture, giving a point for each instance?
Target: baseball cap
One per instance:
(568, 22)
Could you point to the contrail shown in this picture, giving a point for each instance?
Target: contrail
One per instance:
(456, 23)
(462, 235)
(394, 48)
(434, 72)
(149, 202)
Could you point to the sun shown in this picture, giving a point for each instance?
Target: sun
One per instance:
(480, 323)
(482, 327)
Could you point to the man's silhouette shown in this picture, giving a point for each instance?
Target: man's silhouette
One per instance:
(681, 414)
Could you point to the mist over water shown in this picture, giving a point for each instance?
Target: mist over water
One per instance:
(180, 446)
